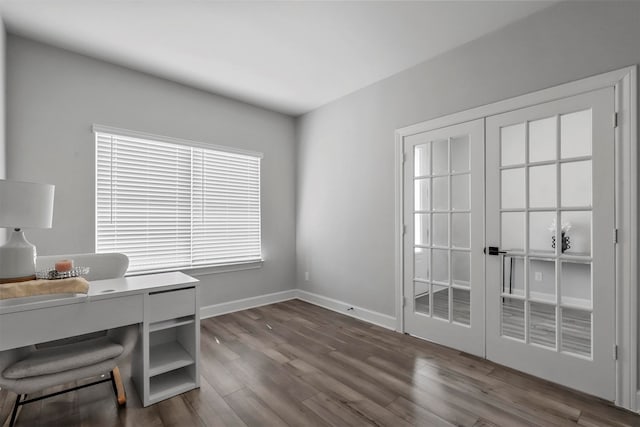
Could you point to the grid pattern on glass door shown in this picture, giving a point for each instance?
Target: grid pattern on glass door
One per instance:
(546, 229)
(442, 213)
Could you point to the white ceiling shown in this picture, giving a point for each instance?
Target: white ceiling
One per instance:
(289, 56)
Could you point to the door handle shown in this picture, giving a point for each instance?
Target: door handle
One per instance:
(493, 250)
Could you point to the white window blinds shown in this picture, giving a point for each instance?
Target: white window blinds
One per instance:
(171, 206)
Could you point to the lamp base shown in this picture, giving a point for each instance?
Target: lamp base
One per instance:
(17, 259)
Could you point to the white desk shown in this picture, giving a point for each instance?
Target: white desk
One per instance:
(166, 306)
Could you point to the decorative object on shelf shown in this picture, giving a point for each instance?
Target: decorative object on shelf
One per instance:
(22, 205)
(54, 273)
(30, 288)
(64, 265)
(566, 240)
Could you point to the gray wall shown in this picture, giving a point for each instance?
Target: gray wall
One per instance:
(345, 193)
(54, 97)
(3, 162)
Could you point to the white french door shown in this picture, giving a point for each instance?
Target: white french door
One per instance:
(443, 214)
(550, 218)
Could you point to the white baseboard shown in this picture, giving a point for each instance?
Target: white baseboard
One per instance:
(246, 303)
(341, 307)
(364, 314)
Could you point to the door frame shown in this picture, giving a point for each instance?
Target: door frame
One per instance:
(624, 81)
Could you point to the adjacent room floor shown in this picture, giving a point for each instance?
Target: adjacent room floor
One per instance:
(296, 364)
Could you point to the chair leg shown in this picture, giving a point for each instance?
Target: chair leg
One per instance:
(118, 387)
(14, 414)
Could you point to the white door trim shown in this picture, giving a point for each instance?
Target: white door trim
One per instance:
(625, 83)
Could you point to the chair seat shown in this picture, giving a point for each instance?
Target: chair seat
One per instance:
(56, 359)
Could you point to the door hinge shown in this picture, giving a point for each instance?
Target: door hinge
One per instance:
(404, 157)
(404, 229)
(404, 301)
(615, 120)
(615, 235)
(615, 352)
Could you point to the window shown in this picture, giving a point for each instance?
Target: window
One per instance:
(172, 204)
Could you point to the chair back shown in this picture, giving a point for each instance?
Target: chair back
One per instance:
(101, 266)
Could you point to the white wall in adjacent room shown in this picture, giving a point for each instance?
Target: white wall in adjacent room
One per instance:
(55, 96)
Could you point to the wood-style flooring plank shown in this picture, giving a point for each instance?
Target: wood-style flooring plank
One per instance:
(295, 364)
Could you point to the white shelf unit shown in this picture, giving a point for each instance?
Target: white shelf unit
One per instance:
(170, 345)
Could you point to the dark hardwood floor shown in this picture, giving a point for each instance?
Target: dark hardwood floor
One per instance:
(295, 364)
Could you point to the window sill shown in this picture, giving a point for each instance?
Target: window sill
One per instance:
(207, 270)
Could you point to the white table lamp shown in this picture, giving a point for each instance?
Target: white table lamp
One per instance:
(22, 205)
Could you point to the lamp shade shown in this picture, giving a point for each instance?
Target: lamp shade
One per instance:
(25, 204)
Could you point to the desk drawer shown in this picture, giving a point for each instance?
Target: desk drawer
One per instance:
(47, 324)
(172, 304)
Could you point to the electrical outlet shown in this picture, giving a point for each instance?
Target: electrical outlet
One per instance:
(306, 276)
(538, 276)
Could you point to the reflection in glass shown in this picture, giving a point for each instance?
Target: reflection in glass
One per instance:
(577, 227)
(422, 160)
(461, 268)
(576, 331)
(421, 229)
(460, 154)
(460, 192)
(512, 231)
(542, 324)
(576, 184)
(460, 230)
(575, 134)
(421, 263)
(513, 276)
(513, 318)
(542, 139)
(461, 306)
(441, 230)
(542, 186)
(441, 265)
(512, 144)
(421, 195)
(440, 157)
(421, 297)
(441, 193)
(441, 302)
(542, 280)
(541, 230)
(512, 182)
(575, 284)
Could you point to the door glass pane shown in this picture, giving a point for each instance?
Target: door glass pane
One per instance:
(513, 276)
(575, 284)
(421, 263)
(461, 268)
(512, 231)
(461, 306)
(513, 318)
(421, 297)
(575, 134)
(460, 230)
(441, 265)
(542, 139)
(460, 192)
(542, 324)
(542, 226)
(421, 199)
(542, 186)
(576, 226)
(460, 154)
(542, 280)
(441, 230)
(441, 302)
(512, 183)
(512, 144)
(421, 229)
(440, 157)
(422, 160)
(576, 331)
(576, 184)
(441, 193)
